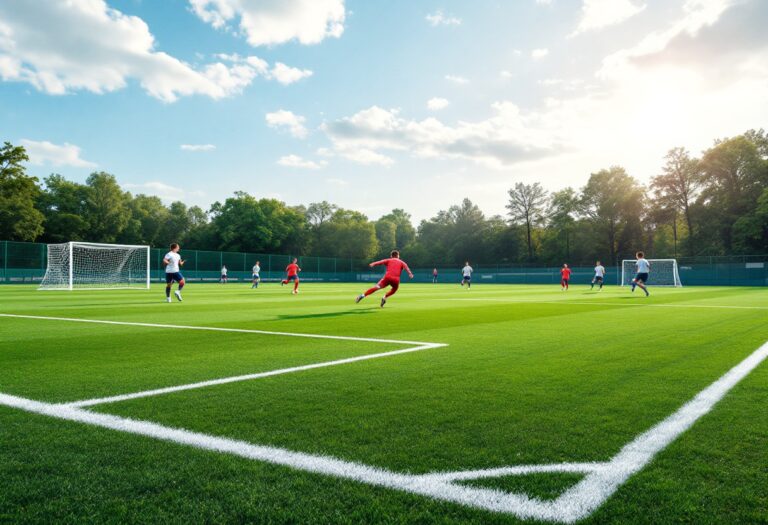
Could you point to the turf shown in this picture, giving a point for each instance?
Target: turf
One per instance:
(530, 375)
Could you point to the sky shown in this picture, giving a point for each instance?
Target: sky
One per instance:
(374, 105)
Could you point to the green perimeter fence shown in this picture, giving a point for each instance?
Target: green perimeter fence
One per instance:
(24, 262)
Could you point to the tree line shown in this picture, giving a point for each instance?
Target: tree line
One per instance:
(715, 204)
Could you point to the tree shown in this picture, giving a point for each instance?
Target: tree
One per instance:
(613, 202)
(526, 206)
(149, 218)
(63, 203)
(677, 187)
(319, 212)
(346, 234)
(405, 233)
(107, 207)
(563, 207)
(19, 219)
(735, 172)
(386, 235)
(246, 224)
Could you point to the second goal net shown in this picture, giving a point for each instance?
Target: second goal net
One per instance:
(95, 266)
(663, 272)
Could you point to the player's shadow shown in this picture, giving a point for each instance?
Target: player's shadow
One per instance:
(327, 314)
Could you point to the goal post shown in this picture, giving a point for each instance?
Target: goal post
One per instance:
(664, 272)
(96, 266)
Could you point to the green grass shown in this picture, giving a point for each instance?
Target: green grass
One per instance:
(530, 375)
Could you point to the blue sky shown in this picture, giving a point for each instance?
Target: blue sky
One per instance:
(374, 105)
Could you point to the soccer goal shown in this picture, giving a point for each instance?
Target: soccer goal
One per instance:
(663, 272)
(77, 265)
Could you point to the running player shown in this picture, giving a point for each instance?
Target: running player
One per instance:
(434, 275)
(173, 262)
(292, 272)
(643, 269)
(466, 275)
(256, 278)
(565, 276)
(223, 279)
(391, 278)
(599, 276)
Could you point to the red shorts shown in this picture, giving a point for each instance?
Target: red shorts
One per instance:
(388, 281)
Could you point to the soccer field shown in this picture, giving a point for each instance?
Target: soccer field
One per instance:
(492, 405)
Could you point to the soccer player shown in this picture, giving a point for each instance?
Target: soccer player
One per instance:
(434, 275)
(173, 262)
(292, 272)
(256, 277)
(599, 276)
(223, 279)
(391, 278)
(565, 276)
(466, 275)
(643, 269)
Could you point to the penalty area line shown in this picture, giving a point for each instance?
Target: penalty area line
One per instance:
(248, 377)
(219, 329)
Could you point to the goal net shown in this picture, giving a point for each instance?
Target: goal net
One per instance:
(663, 272)
(76, 265)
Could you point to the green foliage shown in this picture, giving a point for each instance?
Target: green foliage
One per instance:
(20, 220)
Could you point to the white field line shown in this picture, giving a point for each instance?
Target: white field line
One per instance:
(220, 329)
(596, 303)
(601, 482)
(247, 377)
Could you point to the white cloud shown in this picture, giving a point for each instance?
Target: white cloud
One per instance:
(505, 74)
(47, 153)
(438, 18)
(596, 14)
(276, 21)
(287, 119)
(437, 103)
(160, 189)
(60, 47)
(295, 161)
(197, 147)
(538, 54)
(543, 2)
(288, 75)
(457, 79)
(506, 138)
(336, 182)
(697, 16)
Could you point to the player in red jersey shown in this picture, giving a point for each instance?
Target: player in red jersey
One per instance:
(392, 278)
(565, 276)
(292, 271)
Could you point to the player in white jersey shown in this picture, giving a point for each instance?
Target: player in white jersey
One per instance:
(173, 263)
(599, 276)
(256, 276)
(223, 278)
(643, 270)
(466, 275)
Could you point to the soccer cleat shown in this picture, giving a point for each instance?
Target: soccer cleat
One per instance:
(646, 293)
(359, 298)
(177, 294)
(167, 299)
(383, 301)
